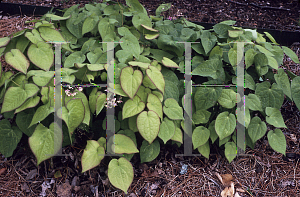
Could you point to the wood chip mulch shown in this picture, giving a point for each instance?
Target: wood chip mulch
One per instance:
(262, 173)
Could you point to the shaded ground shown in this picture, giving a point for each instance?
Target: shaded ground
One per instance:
(270, 14)
(266, 173)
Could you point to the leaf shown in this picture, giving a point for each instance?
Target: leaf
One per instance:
(123, 144)
(227, 98)
(178, 136)
(274, 117)
(249, 57)
(166, 130)
(208, 41)
(41, 54)
(230, 151)
(296, 91)
(209, 68)
(206, 97)
(271, 38)
(76, 57)
(9, 138)
(272, 62)
(16, 96)
(249, 82)
(105, 27)
(4, 41)
(222, 30)
(89, 24)
(201, 116)
(264, 50)
(85, 102)
(204, 150)
(100, 102)
(34, 36)
(172, 109)
(132, 107)
(135, 6)
(168, 43)
(143, 93)
(73, 114)
(169, 63)
(256, 129)
(156, 78)
(120, 173)
(149, 151)
(17, 60)
(23, 120)
(213, 135)
(75, 23)
(252, 102)
(92, 155)
(277, 140)
(132, 123)
(49, 34)
(291, 54)
(269, 97)
(40, 77)
(151, 36)
(225, 124)
(200, 136)
(283, 82)
(140, 64)
(162, 8)
(148, 124)
(130, 80)
(154, 104)
(43, 143)
(139, 19)
(130, 43)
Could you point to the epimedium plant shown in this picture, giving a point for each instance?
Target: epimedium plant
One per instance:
(148, 64)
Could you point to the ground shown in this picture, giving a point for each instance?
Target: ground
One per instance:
(263, 173)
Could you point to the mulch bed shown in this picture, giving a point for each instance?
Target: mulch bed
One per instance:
(263, 173)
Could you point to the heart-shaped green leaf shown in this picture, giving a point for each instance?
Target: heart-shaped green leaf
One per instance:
(208, 41)
(100, 102)
(149, 151)
(130, 81)
(23, 120)
(120, 173)
(154, 104)
(225, 124)
(252, 102)
(172, 109)
(269, 97)
(178, 136)
(148, 124)
(16, 96)
(156, 77)
(291, 54)
(204, 150)
(169, 63)
(206, 97)
(166, 130)
(34, 36)
(9, 138)
(283, 82)
(123, 144)
(277, 140)
(4, 41)
(200, 136)
(17, 60)
(256, 129)
(92, 155)
(230, 151)
(43, 143)
(227, 98)
(132, 107)
(274, 117)
(73, 114)
(139, 19)
(201, 116)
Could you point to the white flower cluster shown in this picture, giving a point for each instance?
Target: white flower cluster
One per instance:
(111, 103)
(70, 91)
